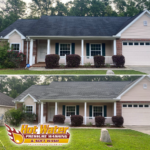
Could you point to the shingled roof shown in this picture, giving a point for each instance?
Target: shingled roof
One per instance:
(6, 100)
(69, 26)
(76, 90)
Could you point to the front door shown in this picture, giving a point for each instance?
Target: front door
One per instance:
(51, 113)
(42, 51)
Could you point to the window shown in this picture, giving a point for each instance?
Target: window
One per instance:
(146, 105)
(29, 109)
(136, 43)
(97, 111)
(140, 105)
(135, 105)
(141, 43)
(64, 49)
(147, 43)
(96, 49)
(130, 43)
(70, 110)
(129, 105)
(15, 47)
(124, 43)
(124, 105)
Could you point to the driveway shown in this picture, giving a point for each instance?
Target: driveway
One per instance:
(144, 129)
(145, 69)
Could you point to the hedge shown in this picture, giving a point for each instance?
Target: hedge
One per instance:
(52, 60)
(99, 121)
(118, 60)
(76, 120)
(73, 60)
(59, 119)
(118, 121)
(99, 61)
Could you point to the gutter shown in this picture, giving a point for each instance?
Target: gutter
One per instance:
(6, 106)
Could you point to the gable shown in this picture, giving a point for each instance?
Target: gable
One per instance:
(138, 93)
(137, 29)
(15, 38)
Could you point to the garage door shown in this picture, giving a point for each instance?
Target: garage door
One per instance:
(136, 53)
(136, 114)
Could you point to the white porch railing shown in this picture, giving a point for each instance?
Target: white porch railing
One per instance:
(87, 59)
(90, 120)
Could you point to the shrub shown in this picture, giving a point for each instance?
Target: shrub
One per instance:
(15, 57)
(99, 61)
(99, 121)
(59, 119)
(73, 60)
(76, 120)
(16, 116)
(87, 64)
(118, 60)
(52, 60)
(117, 121)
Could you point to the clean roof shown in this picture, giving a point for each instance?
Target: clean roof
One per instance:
(6, 100)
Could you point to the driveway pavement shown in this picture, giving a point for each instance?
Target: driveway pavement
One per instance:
(145, 69)
(144, 129)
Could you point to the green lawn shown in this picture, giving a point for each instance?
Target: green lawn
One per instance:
(53, 72)
(88, 139)
(85, 72)
(127, 72)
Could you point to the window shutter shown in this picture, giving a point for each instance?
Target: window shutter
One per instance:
(105, 111)
(73, 48)
(90, 111)
(87, 49)
(57, 48)
(63, 110)
(77, 110)
(103, 49)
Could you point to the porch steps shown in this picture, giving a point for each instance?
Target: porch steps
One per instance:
(40, 64)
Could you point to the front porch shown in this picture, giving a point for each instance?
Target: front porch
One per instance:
(86, 109)
(37, 49)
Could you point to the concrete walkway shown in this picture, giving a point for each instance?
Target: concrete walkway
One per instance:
(145, 69)
(144, 129)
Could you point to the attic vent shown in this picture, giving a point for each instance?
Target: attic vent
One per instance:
(145, 23)
(145, 86)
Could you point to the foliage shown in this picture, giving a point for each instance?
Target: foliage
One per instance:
(108, 65)
(76, 120)
(15, 57)
(73, 60)
(118, 60)
(16, 116)
(62, 66)
(99, 121)
(52, 60)
(118, 121)
(87, 64)
(58, 119)
(99, 61)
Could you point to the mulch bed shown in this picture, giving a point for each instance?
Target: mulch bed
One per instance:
(111, 126)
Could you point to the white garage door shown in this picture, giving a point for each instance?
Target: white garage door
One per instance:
(136, 53)
(136, 114)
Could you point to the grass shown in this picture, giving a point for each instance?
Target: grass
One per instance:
(88, 139)
(69, 72)
(127, 72)
(9, 71)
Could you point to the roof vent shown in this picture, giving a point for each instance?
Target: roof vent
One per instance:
(145, 23)
(145, 86)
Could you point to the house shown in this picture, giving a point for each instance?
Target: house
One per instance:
(85, 36)
(89, 99)
(5, 104)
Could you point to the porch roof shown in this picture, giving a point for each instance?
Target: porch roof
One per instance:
(69, 26)
(6, 100)
(76, 90)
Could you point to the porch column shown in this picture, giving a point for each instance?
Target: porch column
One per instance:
(31, 52)
(85, 105)
(82, 52)
(48, 46)
(114, 108)
(22, 46)
(27, 54)
(41, 112)
(55, 108)
(114, 47)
